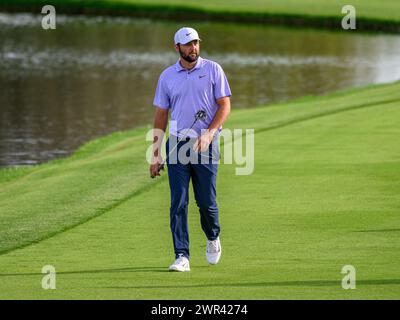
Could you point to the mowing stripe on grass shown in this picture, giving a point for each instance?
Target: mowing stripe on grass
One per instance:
(98, 213)
(146, 187)
(292, 221)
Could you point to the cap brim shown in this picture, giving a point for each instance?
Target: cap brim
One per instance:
(191, 41)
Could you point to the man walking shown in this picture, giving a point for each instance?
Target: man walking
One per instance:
(191, 85)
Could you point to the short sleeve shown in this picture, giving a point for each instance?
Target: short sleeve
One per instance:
(161, 97)
(221, 86)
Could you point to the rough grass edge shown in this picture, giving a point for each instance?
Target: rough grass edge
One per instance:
(96, 145)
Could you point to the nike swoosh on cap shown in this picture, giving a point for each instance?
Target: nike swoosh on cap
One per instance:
(187, 34)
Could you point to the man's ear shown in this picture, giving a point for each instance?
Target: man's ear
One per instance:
(177, 48)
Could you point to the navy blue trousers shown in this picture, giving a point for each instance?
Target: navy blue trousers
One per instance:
(204, 177)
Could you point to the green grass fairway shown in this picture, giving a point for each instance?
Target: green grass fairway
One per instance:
(372, 15)
(325, 193)
(386, 9)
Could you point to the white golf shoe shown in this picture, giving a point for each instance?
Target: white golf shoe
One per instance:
(213, 251)
(181, 264)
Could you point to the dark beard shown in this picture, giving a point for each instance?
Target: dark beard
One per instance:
(188, 58)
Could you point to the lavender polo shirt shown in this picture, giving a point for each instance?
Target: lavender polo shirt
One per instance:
(186, 92)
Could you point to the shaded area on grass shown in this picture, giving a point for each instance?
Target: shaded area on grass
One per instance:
(380, 230)
(305, 283)
(128, 269)
(208, 285)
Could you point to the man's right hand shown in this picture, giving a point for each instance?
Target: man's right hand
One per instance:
(155, 167)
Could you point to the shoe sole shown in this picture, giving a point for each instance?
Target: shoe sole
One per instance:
(176, 270)
(213, 263)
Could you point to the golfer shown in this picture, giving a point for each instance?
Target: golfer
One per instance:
(190, 87)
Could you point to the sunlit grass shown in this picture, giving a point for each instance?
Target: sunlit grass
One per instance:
(324, 193)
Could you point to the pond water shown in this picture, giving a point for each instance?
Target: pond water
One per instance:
(95, 75)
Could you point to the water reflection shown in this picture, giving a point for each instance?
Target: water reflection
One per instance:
(95, 75)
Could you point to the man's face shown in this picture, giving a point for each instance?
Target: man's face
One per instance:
(189, 51)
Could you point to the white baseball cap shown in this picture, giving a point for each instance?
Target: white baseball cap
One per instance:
(185, 35)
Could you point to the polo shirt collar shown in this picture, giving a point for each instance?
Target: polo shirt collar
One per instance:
(198, 65)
